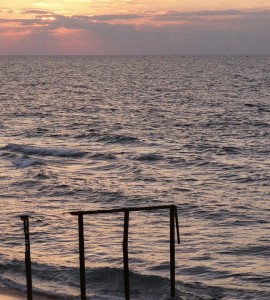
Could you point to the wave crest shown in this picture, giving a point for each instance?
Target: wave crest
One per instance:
(43, 151)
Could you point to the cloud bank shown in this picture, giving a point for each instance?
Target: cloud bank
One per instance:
(37, 31)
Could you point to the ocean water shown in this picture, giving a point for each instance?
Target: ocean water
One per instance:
(90, 132)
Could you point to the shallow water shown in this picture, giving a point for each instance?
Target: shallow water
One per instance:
(84, 133)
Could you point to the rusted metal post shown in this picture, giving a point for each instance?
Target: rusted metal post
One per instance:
(25, 219)
(125, 255)
(172, 250)
(82, 258)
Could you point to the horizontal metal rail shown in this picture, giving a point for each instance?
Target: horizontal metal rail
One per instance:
(122, 209)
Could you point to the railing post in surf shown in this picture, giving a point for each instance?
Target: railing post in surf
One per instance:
(125, 255)
(28, 270)
(82, 258)
(172, 250)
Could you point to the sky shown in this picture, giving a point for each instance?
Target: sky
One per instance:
(134, 27)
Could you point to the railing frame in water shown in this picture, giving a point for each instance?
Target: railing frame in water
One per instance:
(80, 214)
(173, 223)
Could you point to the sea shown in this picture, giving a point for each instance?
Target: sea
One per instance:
(80, 133)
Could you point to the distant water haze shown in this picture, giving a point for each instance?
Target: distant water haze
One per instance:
(87, 132)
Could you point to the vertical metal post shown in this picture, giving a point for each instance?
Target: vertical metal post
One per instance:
(125, 255)
(177, 225)
(172, 250)
(82, 258)
(25, 220)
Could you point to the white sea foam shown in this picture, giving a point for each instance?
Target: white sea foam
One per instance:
(25, 162)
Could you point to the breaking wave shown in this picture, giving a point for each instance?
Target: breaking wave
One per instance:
(104, 283)
(42, 151)
(25, 162)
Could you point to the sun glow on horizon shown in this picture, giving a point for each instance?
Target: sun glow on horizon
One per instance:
(48, 18)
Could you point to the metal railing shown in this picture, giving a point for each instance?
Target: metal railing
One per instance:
(126, 210)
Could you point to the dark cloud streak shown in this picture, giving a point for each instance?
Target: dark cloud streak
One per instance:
(116, 17)
(36, 12)
(203, 13)
(178, 15)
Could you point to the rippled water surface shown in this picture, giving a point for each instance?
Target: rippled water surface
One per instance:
(84, 133)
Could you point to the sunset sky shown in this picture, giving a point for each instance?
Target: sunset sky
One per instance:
(135, 27)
